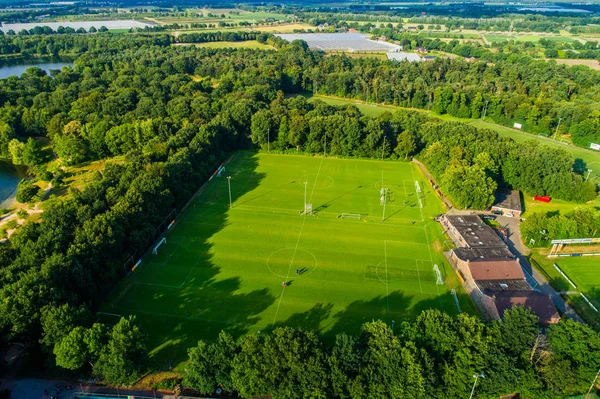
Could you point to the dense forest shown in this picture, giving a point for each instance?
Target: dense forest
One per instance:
(436, 356)
(170, 113)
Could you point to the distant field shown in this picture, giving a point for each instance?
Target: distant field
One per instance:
(525, 38)
(223, 268)
(594, 64)
(253, 44)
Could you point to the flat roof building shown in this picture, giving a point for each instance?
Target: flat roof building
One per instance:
(508, 202)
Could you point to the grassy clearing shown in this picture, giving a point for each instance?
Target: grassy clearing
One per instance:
(583, 272)
(252, 44)
(223, 268)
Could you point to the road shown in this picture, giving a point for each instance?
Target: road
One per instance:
(534, 277)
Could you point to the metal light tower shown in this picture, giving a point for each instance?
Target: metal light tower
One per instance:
(305, 185)
(557, 126)
(476, 376)
(485, 109)
(588, 175)
(229, 185)
(384, 201)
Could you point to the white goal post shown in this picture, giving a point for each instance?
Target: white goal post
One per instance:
(350, 216)
(155, 250)
(439, 280)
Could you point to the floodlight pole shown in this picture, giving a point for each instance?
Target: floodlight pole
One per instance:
(476, 376)
(383, 147)
(268, 141)
(557, 126)
(485, 110)
(393, 322)
(229, 185)
(588, 175)
(593, 383)
(305, 184)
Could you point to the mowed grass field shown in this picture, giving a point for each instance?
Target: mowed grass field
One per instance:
(583, 271)
(222, 268)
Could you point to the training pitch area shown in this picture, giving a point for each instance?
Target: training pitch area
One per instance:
(224, 268)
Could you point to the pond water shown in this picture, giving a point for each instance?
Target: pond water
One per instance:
(18, 66)
(10, 176)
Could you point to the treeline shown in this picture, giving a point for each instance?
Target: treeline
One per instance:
(61, 30)
(436, 356)
(514, 88)
(56, 45)
(201, 37)
(470, 163)
(544, 227)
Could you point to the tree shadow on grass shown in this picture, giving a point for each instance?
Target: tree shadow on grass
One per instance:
(320, 317)
(176, 311)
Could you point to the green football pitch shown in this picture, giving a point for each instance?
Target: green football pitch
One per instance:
(224, 268)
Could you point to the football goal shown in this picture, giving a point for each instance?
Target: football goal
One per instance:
(161, 242)
(350, 216)
(439, 280)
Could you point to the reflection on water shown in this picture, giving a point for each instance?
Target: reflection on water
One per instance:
(18, 66)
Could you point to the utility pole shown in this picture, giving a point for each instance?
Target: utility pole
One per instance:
(229, 185)
(588, 175)
(485, 109)
(593, 383)
(557, 126)
(305, 184)
(476, 376)
(384, 201)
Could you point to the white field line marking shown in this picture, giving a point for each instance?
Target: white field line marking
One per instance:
(387, 283)
(297, 242)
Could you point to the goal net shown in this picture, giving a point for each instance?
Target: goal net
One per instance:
(350, 216)
(161, 242)
(438, 275)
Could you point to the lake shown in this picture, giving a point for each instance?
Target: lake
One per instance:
(10, 176)
(116, 24)
(16, 67)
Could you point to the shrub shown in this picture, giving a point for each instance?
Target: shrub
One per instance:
(22, 214)
(26, 192)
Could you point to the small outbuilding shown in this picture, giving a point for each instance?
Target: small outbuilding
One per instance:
(508, 203)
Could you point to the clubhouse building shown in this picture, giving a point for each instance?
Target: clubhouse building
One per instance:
(490, 272)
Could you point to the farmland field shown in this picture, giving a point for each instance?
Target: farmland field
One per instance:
(223, 268)
(526, 38)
